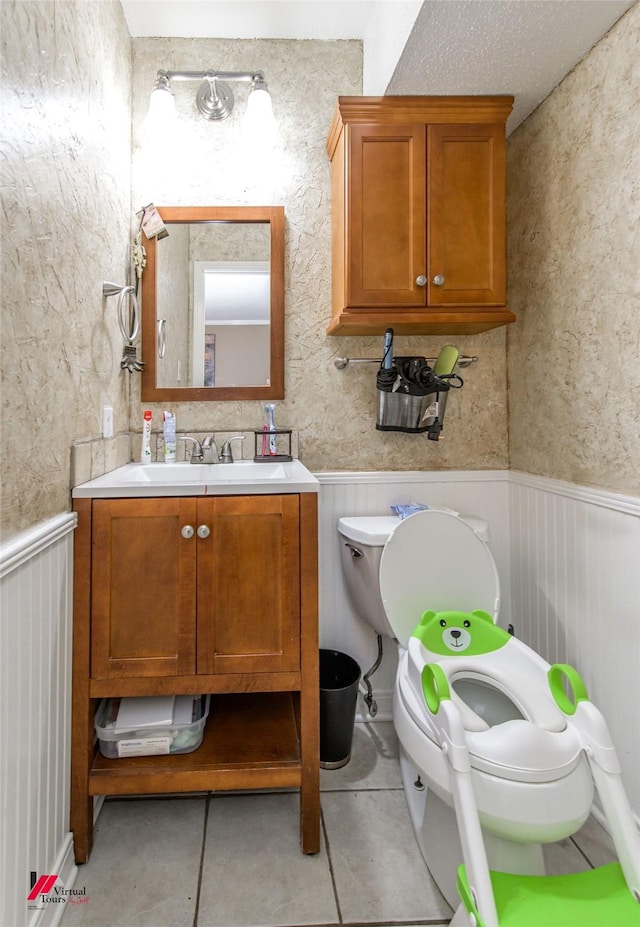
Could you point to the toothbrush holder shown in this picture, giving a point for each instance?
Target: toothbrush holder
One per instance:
(263, 443)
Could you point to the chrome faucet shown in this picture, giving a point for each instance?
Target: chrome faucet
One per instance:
(226, 455)
(206, 453)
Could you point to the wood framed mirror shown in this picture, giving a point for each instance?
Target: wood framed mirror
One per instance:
(213, 305)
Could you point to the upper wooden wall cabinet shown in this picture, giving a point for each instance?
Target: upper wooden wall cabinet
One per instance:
(418, 190)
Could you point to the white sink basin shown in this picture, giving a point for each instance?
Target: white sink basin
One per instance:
(183, 479)
(206, 473)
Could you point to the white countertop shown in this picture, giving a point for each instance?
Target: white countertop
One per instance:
(182, 479)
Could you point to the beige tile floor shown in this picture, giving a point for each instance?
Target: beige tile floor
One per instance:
(234, 860)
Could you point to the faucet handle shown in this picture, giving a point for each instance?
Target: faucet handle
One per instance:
(226, 454)
(196, 456)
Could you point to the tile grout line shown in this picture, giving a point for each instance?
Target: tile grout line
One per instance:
(329, 860)
(196, 912)
(581, 851)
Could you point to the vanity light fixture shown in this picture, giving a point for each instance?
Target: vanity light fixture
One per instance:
(214, 98)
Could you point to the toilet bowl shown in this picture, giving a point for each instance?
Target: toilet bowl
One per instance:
(532, 781)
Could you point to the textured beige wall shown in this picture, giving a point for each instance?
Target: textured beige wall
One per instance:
(200, 163)
(574, 273)
(66, 69)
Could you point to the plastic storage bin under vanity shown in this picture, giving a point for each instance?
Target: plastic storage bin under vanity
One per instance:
(153, 739)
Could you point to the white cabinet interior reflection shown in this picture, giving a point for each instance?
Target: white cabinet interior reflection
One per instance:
(213, 305)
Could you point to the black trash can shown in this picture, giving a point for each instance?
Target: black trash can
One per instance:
(339, 678)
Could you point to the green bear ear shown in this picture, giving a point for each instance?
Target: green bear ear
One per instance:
(427, 616)
(485, 616)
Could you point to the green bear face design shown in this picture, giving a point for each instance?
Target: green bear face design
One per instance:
(471, 633)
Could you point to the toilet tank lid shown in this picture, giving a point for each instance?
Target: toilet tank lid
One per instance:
(375, 530)
(372, 530)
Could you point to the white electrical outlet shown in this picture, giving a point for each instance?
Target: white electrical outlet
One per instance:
(107, 421)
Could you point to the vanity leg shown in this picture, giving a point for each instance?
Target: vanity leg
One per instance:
(82, 826)
(309, 705)
(82, 733)
(310, 811)
(81, 811)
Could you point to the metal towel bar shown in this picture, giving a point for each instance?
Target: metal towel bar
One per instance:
(342, 362)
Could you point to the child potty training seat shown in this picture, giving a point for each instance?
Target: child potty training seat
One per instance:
(441, 594)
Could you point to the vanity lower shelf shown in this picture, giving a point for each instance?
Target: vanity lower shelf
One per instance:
(249, 742)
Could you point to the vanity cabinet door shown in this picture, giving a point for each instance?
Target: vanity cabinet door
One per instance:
(143, 602)
(249, 584)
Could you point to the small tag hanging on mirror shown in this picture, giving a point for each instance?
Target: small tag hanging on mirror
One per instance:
(151, 222)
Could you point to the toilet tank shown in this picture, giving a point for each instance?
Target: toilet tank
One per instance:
(362, 540)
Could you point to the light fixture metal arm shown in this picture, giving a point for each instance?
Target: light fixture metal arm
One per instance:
(247, 76)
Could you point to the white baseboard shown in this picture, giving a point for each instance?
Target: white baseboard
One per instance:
(50, 915)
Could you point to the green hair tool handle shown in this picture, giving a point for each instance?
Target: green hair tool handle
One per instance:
(446, 361)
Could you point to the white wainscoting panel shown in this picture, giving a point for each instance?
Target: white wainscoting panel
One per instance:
(36, 570)
(575, 568)
(482, 493)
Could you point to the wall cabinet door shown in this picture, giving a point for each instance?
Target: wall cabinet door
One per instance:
(249, 584)
(386, 234)
(466, 215)
(143, 601)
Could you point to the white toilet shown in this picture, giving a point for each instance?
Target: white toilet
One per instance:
(532, 782)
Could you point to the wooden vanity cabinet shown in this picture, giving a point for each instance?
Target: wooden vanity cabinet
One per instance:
(418, 194)
(200, 595)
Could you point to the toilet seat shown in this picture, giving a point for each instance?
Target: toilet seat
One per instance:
(418, 556)
(517, 671)
(518, 750)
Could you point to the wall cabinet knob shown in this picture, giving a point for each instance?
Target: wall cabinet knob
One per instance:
(421, 280)
(203, 531)
(438, 280)
(187, 532)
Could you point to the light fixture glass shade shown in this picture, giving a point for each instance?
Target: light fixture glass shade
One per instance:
(162, 104)
(260, 121)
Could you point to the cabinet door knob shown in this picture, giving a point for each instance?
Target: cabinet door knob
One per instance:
(203, 531)
(438, 280)
(187, 531)
(421, 280)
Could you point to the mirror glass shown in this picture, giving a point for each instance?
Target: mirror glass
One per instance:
(213, 313)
